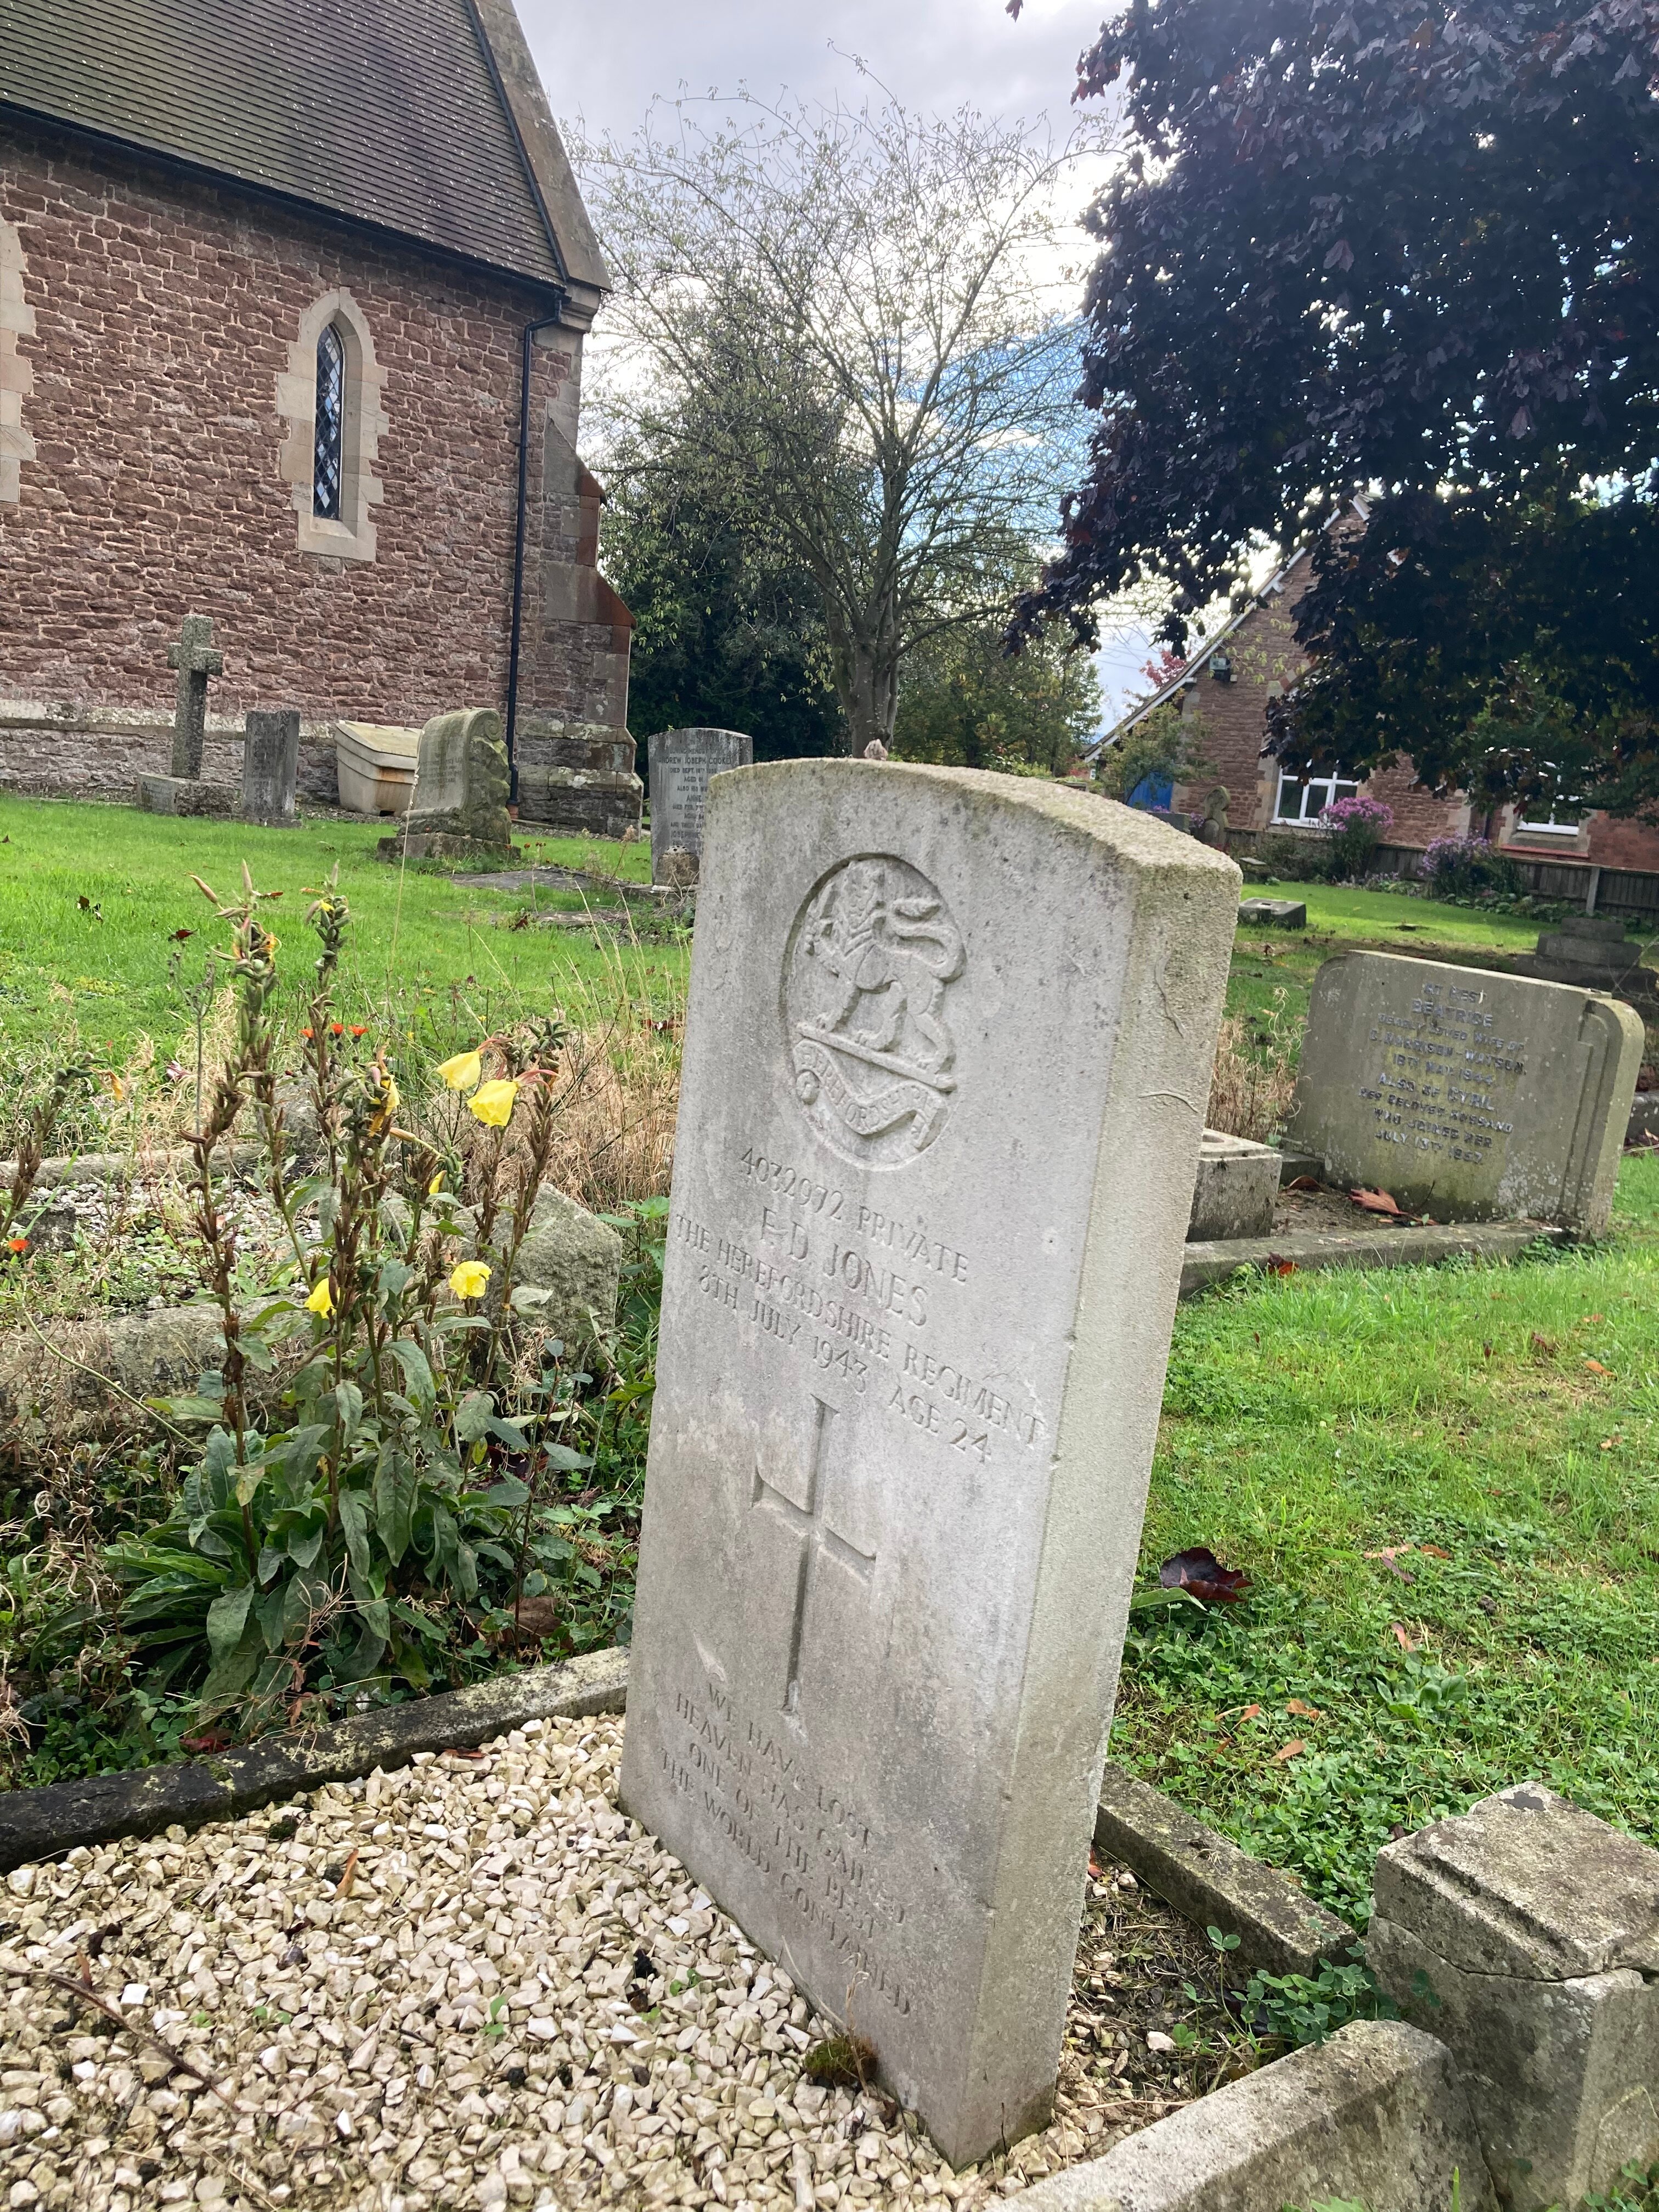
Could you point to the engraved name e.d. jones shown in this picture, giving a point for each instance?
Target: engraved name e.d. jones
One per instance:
(866, 984)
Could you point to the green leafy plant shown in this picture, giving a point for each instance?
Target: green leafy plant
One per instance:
(363, 1485)
(1303, 2008)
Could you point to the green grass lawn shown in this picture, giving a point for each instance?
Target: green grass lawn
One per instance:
(91, 897)
(1492, 1428)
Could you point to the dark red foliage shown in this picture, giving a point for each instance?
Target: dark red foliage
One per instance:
(1203, 1575)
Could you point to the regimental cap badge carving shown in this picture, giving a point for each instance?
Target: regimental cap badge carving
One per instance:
(872, 959)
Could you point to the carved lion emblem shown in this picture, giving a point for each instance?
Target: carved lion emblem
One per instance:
(872, 960)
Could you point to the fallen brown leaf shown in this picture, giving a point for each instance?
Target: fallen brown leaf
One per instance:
(1293, 1749)
(1596, 1368)
(1252, 1713)
(1545, 1346)
(347, 1880)
(1373, 1201)
(1303, 1712)
(1278, 1266)
(1304, 1182)
(1391, 1555)
(1401, 1638)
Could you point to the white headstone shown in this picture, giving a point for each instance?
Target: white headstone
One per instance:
(948, 1051)
(681, 762)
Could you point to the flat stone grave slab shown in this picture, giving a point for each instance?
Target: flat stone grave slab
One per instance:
(1466, 1095)
(1274, 913)
(948, 1047)
(474, 1982)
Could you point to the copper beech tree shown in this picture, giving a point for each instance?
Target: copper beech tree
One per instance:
(1399, 250)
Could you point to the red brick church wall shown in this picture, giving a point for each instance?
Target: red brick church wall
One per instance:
(164, 310)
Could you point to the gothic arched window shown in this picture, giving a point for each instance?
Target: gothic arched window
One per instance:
(329, 460)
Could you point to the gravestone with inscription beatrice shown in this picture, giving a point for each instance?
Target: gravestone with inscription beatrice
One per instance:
(1465, 1095)
(947, 1055)
(681, 762)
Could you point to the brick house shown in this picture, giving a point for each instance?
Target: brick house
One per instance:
(1223, 692)
(293, 295)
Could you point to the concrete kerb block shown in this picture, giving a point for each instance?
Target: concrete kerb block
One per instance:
(1525, 1933)
(1212, 1883)
(1376, 2114)
(1235, 1187)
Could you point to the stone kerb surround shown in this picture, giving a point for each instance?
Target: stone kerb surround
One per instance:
(16, 378)
(352, 538)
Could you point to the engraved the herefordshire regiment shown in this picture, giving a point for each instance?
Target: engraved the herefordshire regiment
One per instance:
(947, 1050)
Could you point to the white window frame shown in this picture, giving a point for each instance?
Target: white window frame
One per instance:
(1332, 787)
(1549, 827)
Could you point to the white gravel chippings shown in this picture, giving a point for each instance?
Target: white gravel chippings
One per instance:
(470, 1983)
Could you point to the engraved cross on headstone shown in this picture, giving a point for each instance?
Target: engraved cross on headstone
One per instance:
(196, 659)
(810, 1525)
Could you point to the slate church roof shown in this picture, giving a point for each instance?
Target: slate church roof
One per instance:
(421, 117)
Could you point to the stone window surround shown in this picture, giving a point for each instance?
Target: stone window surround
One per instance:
(352, 538)
(16, 377)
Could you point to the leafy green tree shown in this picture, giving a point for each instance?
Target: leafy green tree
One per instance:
(729, 633)
(965, 702)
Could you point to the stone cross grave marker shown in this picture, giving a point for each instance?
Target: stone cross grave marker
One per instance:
(196, 657)
(270, 767)
(681, 762)
(947, 1057)
(1465, 1095)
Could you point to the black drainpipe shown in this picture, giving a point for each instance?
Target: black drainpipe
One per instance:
(547, 323)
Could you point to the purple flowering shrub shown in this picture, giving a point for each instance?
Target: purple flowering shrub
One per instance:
(1467, 867)
(1356, 827)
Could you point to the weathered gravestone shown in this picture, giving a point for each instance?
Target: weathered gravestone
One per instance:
(948, 1051)
(182, 790)
(681, 762)
(270, 767)
(576, 778)
(1467, 1096)
(459, 811)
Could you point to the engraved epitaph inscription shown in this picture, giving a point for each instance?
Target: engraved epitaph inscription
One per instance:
(867, 981)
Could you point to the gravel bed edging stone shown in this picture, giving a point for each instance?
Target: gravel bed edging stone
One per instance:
(1311, 1249)
(46, 1823)
(1377, 2114)
(1212, 1882)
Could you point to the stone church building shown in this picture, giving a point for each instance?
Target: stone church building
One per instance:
(1224, 693)
(293, 296)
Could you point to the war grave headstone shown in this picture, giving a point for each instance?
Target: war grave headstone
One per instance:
(270, 767)
(948, 1048)
(182, 790)
(1468, 1096)
(682, 762)
(458, 811)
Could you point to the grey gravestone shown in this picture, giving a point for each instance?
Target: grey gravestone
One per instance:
(270, 767)
(1593, 950)
(458, 810)
(1467, 1096)
(182, 790)
(681, 762)
(576, 778)
(1273, 913)
(947, 1051)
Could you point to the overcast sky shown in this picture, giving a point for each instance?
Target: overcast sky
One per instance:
(605, 65)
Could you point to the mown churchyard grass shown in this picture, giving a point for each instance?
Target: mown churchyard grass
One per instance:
(91, 898)
(1441, 1485)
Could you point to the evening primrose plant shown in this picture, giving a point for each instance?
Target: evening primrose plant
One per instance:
(366, 1487)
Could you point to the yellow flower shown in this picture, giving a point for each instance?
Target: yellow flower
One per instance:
(469, 1279)
(492, 1102)
(321, 1300)
(464, 1073)
(436, 1185)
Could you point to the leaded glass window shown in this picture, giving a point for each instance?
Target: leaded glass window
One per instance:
(331, 426)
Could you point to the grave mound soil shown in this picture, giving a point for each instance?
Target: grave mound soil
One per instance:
(475, 1981)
